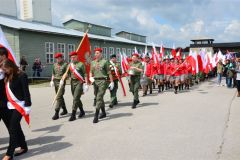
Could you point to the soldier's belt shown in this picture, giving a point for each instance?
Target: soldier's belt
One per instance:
(102, 78)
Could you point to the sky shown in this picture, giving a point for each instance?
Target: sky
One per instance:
(167, 22)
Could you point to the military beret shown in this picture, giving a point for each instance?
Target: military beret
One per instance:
(113, 56)
(98, 49)
(57, 55)
(72, 53)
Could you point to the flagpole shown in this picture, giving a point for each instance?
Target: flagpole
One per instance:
(66, 73)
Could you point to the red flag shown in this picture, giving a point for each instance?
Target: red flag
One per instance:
(4, 43)
(200, 63)
(174, 53)
(84, 53)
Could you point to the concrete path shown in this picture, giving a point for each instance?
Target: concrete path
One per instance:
(199, 124)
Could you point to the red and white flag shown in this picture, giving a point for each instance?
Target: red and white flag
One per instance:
(155, 55)
(174, 52)
(161, 52)
(194, 61)
(179, 53)
(14, 103)
(4, 43)
(124, 63)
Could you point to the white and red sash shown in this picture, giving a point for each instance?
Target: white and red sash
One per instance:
(76, 74)
(14, 103)
(119, 77)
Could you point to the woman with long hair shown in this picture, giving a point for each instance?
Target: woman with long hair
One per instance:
(17, 91)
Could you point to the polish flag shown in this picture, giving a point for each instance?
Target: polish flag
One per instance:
(179, 53)
(194, 61)
(124, 63)
(174, 52)
(161, 52)
(155, 55)
(4, 43)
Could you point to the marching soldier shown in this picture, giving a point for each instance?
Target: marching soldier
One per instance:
(78, 77)
(115, 71)
(100, 74)
(59, 68)
(135, 71)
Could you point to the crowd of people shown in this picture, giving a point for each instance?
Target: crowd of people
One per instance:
(169, 73)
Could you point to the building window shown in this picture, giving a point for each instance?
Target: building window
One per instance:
(129, 52)
(118, 50)
(61, 48)
(49, 51)
(111, 51)
(133, 51)
(124, 50)
(105, 52)
(96, 47)
(71, 48)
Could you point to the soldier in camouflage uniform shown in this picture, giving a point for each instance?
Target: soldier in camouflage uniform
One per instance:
(113, 66)
(58, 70)
(78, 77)
(135, 70)
(100, 74)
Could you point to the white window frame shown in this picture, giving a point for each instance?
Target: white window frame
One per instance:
(129, 52)
(105, 52)
(124, 50)
(49, 52)
(71, 48)
(111, 51)
(61, 47)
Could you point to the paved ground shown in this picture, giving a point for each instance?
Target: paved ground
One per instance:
(200, 124)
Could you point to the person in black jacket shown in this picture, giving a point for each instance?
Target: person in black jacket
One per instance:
(18, 85)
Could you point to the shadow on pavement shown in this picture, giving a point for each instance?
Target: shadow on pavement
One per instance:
(42, 149)
(118, 115)
(49, 129)
(147, 104)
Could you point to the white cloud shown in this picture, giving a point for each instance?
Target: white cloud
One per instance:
(171, 21)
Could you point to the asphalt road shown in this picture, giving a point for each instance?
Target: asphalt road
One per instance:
(197, 124)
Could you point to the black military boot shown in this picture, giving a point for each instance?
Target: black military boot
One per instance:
(56, 115)
(110, 105)
(82, 112)
(95, 120)
(103, 114)
(159, 88)
(162, 87)
(94, 102)
(150, 91)
(175, 87)
(64, 112)
(135, 102)
(182, 86)
(73, 116)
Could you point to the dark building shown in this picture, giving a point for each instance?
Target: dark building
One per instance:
(208, 43)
